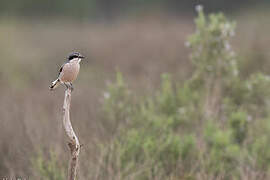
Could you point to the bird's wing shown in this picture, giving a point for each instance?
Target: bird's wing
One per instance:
(61, 69)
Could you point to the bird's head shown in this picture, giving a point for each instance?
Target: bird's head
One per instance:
(75, 56)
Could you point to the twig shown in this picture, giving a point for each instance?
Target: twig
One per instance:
(73, 144)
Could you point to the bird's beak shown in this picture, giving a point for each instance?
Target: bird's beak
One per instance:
(81, 56)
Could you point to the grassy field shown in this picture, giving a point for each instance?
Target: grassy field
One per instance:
(141, 48)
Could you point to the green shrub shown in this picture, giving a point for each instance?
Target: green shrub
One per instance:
(48, 168)
(238, 125)
(205, 127)
(212, 55)
(223, 153)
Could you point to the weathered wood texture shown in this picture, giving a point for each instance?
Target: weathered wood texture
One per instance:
(73, 144)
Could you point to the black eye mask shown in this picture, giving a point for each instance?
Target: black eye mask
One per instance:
(73, 55)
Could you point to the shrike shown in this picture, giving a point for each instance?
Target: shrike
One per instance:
(68, 71)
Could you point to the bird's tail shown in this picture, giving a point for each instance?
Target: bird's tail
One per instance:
(54, 84)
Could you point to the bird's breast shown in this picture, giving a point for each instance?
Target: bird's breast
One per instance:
(70, 72)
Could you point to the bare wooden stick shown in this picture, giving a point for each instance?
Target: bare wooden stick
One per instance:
(73, 144)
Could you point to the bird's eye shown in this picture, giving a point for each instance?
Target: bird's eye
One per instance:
(74, 55)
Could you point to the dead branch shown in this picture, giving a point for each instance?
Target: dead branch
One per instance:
(73, 144)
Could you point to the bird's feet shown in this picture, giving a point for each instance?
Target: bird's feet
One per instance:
(69, 86)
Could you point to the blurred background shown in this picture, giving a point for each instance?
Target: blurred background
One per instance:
(140, 38)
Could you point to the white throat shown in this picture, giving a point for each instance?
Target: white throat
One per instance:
(75, 60)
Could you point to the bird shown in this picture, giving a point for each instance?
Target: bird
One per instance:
(68, 71)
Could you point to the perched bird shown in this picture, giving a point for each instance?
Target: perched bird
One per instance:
(68, 71)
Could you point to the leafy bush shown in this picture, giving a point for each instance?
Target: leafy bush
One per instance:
(206, 127)
(223, 154)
